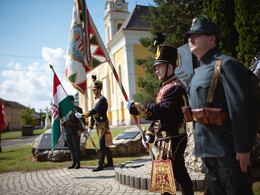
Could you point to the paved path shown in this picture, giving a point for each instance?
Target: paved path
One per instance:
(66, 181)
(63, 181)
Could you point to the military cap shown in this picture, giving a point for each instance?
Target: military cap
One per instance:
(71, 97)
(97, 83)
(204, 25)
(166, 54)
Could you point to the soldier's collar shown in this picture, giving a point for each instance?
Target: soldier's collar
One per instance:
(163, 83)
(208, 56)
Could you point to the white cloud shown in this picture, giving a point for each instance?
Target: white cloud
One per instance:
(31, 85)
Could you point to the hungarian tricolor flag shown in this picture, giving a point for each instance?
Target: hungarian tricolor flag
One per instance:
(60, 107)
(85, 48)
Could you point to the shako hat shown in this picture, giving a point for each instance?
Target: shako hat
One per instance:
(204, 24)
(166, 54)
(97, 83)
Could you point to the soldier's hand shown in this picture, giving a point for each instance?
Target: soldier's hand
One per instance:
(148, 138)
(78, 115)
(128, 104)
(244, 160)
(89, 130)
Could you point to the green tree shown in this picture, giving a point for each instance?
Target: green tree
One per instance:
(247, 23)
(43, 117)
(27, 116)
(173, 19)
(222, 12)
(149, 84)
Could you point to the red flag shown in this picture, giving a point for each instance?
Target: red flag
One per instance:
(2, 116)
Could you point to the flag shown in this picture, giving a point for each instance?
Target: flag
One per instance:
(85, 48)
(2, 116)
(60, 107)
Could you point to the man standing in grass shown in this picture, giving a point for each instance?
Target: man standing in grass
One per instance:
(99, 117)
(73, 129)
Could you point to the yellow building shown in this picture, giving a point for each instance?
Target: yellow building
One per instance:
(123, 30)
(12, 114)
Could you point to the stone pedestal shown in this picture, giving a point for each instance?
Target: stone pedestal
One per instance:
(128, 146)
(41, 148)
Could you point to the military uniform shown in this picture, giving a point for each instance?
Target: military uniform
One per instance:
(99, 117)
(168, 124)
(71, 126)
(218, 145)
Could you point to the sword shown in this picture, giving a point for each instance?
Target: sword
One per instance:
(88, 135)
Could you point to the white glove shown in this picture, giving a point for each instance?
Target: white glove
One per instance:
(78, 115)
(128, 104)
(148, 138)
(89, 130)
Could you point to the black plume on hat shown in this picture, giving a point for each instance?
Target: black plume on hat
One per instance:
(97, 83)
(158, 38)
(94, 78)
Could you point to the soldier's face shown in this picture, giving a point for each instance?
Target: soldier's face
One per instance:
(96, 91)
(160, 71)
(201, 43)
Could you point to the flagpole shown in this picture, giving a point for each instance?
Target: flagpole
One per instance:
(119, 82)
(80, 120)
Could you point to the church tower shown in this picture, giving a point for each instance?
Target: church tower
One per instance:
(116, 12)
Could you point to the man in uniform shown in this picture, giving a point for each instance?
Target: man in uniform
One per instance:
(99, 117)
(72, 129)
(167, 125)
(225, 127)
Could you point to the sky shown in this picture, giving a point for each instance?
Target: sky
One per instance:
(34, 34)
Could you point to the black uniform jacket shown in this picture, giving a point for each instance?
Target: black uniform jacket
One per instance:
(99, 111)
(234, 95)
(166, 114)
(71, 123)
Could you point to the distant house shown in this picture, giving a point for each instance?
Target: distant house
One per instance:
(37, 119)
(12, 115)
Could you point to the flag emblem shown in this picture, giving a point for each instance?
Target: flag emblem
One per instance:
(76, 46)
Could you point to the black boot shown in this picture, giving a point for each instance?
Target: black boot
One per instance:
(77, 165)
(187, 190)
(99, 168)
(72, 166)
(108, 165)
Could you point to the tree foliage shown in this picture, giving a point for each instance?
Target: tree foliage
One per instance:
(27, 116)
(222, 12)
(247, 23)
(171, 18)
(149, 84)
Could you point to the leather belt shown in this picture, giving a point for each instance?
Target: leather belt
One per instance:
(70, 124)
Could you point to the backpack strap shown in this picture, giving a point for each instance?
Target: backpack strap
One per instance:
(214, 81)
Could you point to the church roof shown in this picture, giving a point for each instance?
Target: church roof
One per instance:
(135, 21)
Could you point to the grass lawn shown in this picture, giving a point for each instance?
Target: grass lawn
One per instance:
(21, 159)
(18, 134)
